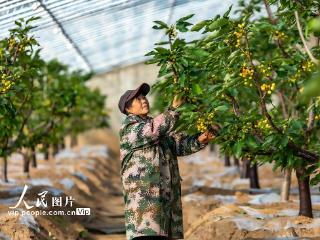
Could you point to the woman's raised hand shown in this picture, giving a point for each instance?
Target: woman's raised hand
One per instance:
(177, 101)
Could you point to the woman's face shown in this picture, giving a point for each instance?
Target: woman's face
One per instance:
(139, 106)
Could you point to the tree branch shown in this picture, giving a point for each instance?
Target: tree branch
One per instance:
(313, 59)
(261, 95)
(272, 20)
(175, 73)
(283, 105)
(24, 122)
(235, 105)
(284, 53)
(311, 119)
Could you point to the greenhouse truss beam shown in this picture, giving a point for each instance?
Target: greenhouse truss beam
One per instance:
(102, 35)
(65, 34)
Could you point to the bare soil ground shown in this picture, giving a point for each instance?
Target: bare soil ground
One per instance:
(217, 204)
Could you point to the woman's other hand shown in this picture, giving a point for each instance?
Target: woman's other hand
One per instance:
(206, 137)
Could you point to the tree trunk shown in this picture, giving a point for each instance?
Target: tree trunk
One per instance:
(285, 191)
(5, 169)
(55, 148)
(212, 147)
(236, 162)
(46, 151)
(74, 140)
(62, 144)
(227, 162)
(33, 157)
(245, 168)
(26, 164)
(304, 194)
(254, 177)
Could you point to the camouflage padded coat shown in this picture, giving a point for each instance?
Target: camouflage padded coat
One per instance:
(150, 174)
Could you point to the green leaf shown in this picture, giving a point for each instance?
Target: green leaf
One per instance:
(238, 149)
(184, 62)
(185, 18)
(182, 79)
(163, 70)
(227, 77)
(178, 43)
(32, 19)
(151, 61)
(221, 108)
(311, 88)
(268, 141)
(199, 25)
(234, 54)
(161, 24)
(251, 142)
(213, 35)
(150, 53)
(315, 180)
(182, 26)
(187, 107)
(162, 50)
(199, 53)
(18, 23)
(196, 89)
(162, 43)
(284, 141)
(314, 24)
(218, 24)
(227, 12)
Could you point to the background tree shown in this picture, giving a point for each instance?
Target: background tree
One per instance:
(41, 103)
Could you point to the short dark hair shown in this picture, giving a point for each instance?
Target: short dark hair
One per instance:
(128, 105)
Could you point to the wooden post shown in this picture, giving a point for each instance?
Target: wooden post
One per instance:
(285, 190)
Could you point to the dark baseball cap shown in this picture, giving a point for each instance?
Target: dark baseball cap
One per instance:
(143, 89)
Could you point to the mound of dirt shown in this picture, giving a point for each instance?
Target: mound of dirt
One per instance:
(89, 173)
(253, 222)
(217, 204)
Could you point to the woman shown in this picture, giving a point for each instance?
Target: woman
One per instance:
(149, 169)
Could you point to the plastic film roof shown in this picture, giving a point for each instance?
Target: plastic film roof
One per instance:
(101, 35)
